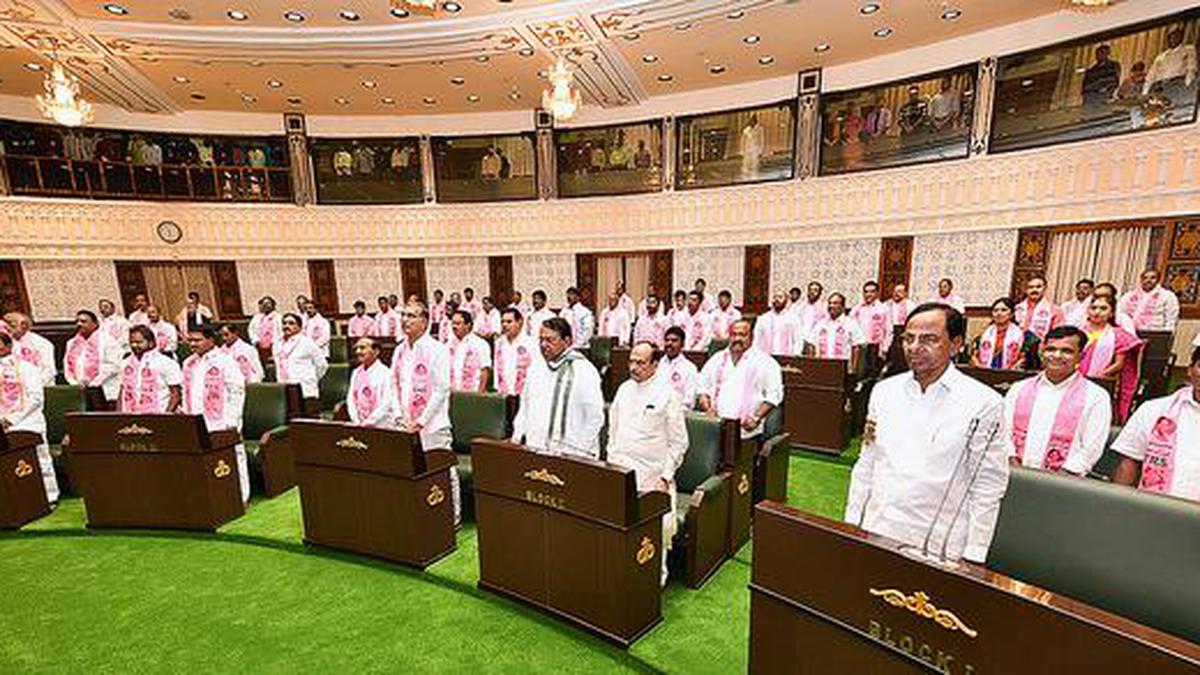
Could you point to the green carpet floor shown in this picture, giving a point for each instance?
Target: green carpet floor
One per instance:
(252, 598)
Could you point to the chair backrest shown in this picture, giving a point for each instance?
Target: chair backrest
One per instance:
(703, 456)
(334, 386)
(183, 350)
(475, 414)
(1130, 552)
(339, 349)
(600, 350)
(715, 346)
(265, 408)
(60, 400)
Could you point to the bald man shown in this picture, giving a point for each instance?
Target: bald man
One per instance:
(30, 347)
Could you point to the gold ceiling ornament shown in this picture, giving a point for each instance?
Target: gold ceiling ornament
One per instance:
(562, 99)
(62, 101)
(1089, 5)
(428, 7)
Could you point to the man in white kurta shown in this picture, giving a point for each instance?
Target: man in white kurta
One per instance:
(678, 369)
(166, 336)
(810, 309)
(387, 321)
(213, 387)
(741, 382)
(517, 302)
(193, 314)
(615, 320)
(945, 296)
(837, 336)
(1075, 310)
(647, 433)
(317, 328)
(897, 308)
(651, 324)
(114, 324)
(872, 316)
(1059, 420)
(470, 356)
(469, 304)
(1151, 306)
(437, 309)
(21, 401)
(360, 325)
(706, 300)
(513, 354)
(778, 331)
(933, 469)
(678, 310)
(644, 308)
(151, 382)
(723, 316)
(92, 359)
(30, 347)
(247, 358)
(138, 316)
(533, 322)
(298, 360)
(1036, 313)
(579, 318)
(487, 322)
(371, 401)
(697, 324)
(266, 327)
(562, 408)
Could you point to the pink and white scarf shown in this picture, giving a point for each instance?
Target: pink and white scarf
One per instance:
(360, 326)
(1103, 353)
(840, 347)
(873, 318)
(27, 353)
(239, 357)
(468, 379)
(1143, 306)
(286, 348)
(12, 389)
(162, 335)
(266, 331)
(1066, 421)
(143, 398)
(749, 399)
(1038, 320)
(695, 332)
(422, 383)
(366, 398)
(214, 392)
(1158, 466)
(1014, 339)
(524, 359)
(89, 349)
(778, 337)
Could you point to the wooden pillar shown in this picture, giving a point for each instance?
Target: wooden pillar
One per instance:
(428, 178)
(322, 281)
(412, 277)
(131, 281)
(500, 279)
(585, 278)
(662, 272)
(895, 264)
(14, 297)
(1033, 255)
(227, 289)
(304, 186)
(756, 279)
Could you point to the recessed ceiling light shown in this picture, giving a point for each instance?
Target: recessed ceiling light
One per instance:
(429, 100)
(180, 14)
(869, 8)
(294, 16)
(452, 7)
(342, 100)
(113, 8)
(399, 12)
(650, 58)
(951, 13)
(766, 60)
(387, 100)
(237, 15)
(717, 69)
(482, 58)
(1026, 83)
(882, 32)
(33, 66)
(516, 95)
(197, 96)
(348, 15)
(752, 39)
(821, 48)
(526, 51)
(734, 16)
(294, 100)
(181, 79)
(684, 26)
(249, 98)
(472, 99)
(541, 74)
(632, 36)
(457, 81)
(274, 84)
(665, 77)
(369, 84)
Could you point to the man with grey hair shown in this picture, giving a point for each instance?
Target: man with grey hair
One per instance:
(30, 347)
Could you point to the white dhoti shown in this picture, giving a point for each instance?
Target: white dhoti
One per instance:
(243, 471)
(49, 479)
(670, 525)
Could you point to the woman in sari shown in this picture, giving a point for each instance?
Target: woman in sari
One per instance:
(1111, 352)
(1004, 345)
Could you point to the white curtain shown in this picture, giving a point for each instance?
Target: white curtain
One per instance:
(633, 270)
(1117, 256)
(167, 285)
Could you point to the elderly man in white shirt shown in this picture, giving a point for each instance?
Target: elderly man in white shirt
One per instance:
(562, 408)
(317, 327)
(151, 382)
(1160, 445)
(93, 359)
(245, 356)
(615, 320)
(30, 347)
(1059, 420)
(1151, 306)
(647, 433)
(298, 360)
(371, 401)
(933, 467)
(679, 369)
(213, 386)
(741, 382)
(21, 400)
(579, 318)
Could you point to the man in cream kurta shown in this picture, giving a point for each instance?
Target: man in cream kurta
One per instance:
(317, 327)
(371, 401)
(741, 383)
(514, 354)
(778, 331)
(30, 347)
(298, 360)
(615, 320)
(678, 369)
(151, 382)
(933, 468)
(21, 400)
(647, 433)
(166, 336)
(562, 407)
(93, 359)
(247, 357)
(113, 323)
(209, 376)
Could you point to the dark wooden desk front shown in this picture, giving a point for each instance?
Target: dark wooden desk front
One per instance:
(22, 492)
(816, 408)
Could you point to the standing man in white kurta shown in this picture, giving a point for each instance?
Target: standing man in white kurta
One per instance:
(697, 325)
(778, 331)
(1151, 306)
(933, 468)
(113, 323)
(298, 360)
(151, 382)
(166, 336)
(562, 408)
(650, 324)
(647, 433)
(579, 318)
(741, 382)
(213, 386)
(266, 327)
(470, 356)
(679, 369)
(837, 336)
(615, 320)
(372, 398)
(30, 347)
(514, 354)
(138, 316)
(246, 357)
(533, 322)
(93, 359)
(724, 315)
(387, 320)
(21, 400)
(872, 316)
(317, 327)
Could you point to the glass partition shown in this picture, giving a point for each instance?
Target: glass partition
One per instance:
(613, 160)
(739, 146)
(367, 170)
(485, 168)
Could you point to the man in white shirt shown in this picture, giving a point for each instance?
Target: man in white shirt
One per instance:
(166, 337)
(897, 309)
(872, 316)
(30, 347)
(213, 387)
(469, 303)
(437, 309)
(945, 295)
(92, 359)
(114, 324)
(615, 321)
(1036, 313)
(1161, 442)
(266, 327)
(301, 303)
(647, 433)
(724, 315)
(360, 325)
(1173, 72)
(811, 309)
(533, 322)
(579, 318)
(625, 301)
(371, 401)
(778, 331)
(317, 327)
(643, 307)
(151, 382)
(1075, 311)
(514, 353)
(562, 408)
(21, 400)
(677, 314)
(247, 358)
(741, 382)
(651, 323)
(837, 336)
(706, 301)
(679, 369)
(387, 321)
(138, 316)
(697, 324)
(193, 314)
(1151, 306)
(487, 322)
(470, 356)
(933, 469)
(1059, 420)
(298, 360)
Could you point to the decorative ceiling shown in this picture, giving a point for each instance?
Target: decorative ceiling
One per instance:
(355, 57)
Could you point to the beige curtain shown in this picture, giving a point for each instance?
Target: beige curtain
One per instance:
(608, 273)
(637, 276)
(168, 284)
(1117, 256)
(633, 270)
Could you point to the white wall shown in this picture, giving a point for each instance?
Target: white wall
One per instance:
(366, 279)
(280, 279)
(455, 274)
(979, 263)
(841, 266)
(59, 288)
(552, 273)
(721, 268)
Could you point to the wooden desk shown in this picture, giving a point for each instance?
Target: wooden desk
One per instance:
(571, 537)
(374, 492)
(816, 403)
(154, 471)
(22, 492)
(828, 598)
(1002, 380)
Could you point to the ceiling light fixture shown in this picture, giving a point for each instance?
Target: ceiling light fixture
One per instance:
(766, 60)
(1089, 5)
(342, 100)
(526, 51)
(752, 39)
(452, 7)
(35, 67)
(249, 98)
(882, 32)
(632, 36)
(294, 16)
(482, 58)
(399, 12)
(113, 8)
(429, 100)
(472, 99)
(951, 13)
(197, 96)
(294, 100)
(650, 58)
(62, 102)
(274, 84)
(684, 26)
(369, 84)
(516, 96)
(387, 100)
(348, 15)
(458, 81)
(717, 69)
(237, 15)
(869, 8)
(181, 79)
(822, 48)
(563, 98)
(666, 77)
(734, 16)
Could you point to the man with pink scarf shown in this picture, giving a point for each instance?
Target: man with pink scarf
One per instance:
(873, 317)
(151, 382)
(92, 358)
(741, 382)
(21, 401)
(470, 356)
(266, 327)
(1151, 306)
(213, 386)
(1036, 313)
(514, 354)
(1160, 446)
(371, 401)
(778, 332)
(837, 336)
(31, 347)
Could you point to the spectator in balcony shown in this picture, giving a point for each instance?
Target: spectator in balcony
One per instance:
(914, 114)
(1129, 95)
(489, 166)
(642, 159)
(1099, 82)
(879, 120)
(1173, 73)
(945, 109)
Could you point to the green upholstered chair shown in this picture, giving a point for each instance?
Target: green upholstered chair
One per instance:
(600, 352)
(182, 350)
(264, 428)
(60, 400)
(334, 386)
(475, 415)
(702, 500)
(339, 349)
(269, 371)
(1126, 551)
(1107, 464)
(716, 346)
(771, 460)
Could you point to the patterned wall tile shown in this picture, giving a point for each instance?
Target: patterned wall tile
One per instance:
(455, 274)
(721, 268)
(280, 279)
(553, 273)
(840, 266)
(366, 280)
(979, 263)
(59, 288)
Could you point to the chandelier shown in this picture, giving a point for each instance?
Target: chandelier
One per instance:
(417, 6)
(1089, 5)
(562, 99)
(62, 102)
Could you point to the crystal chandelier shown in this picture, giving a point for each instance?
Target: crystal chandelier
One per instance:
(62, 102)
(562, 99)
(1089, 5)
(416, 6)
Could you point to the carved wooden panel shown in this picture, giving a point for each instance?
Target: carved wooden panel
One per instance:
(895, 264)
(1184, 279)
(131, 281)
(500, 279)
(323, 281)
(1182, 270)
(585, 278)
(13, 295)
(227, 289)
(662, 270)
(1033, 254)
(756, 286)
(412, 277)
(1185, 240)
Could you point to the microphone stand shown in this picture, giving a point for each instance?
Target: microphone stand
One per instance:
(962, 459)
(993, 431)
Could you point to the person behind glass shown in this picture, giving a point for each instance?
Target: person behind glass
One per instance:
(1129, 95)
(1173, 73)
(248, 359)
(1160, 446)
(360, 325)
(1059, 419)
(1005, 345)
(193, 313)
(914, 114)
(298, 360)
(1111, 352)
(642, 159)
(1100, 82)
(1075, 310)
(470, 356)
(945, 108)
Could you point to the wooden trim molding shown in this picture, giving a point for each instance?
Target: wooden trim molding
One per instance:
(500, 279)
(227, 289)
(14, 297)
(131, 281)
(1033, 255)
(322, 280)
(756, 279)
(895, 264)
(412, 277)
(585, 278)
(662, 273)
(1181, 272)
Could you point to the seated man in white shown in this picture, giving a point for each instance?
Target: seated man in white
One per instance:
(562, 408)
(1059, 419)
(740, 382)
(21, 400)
